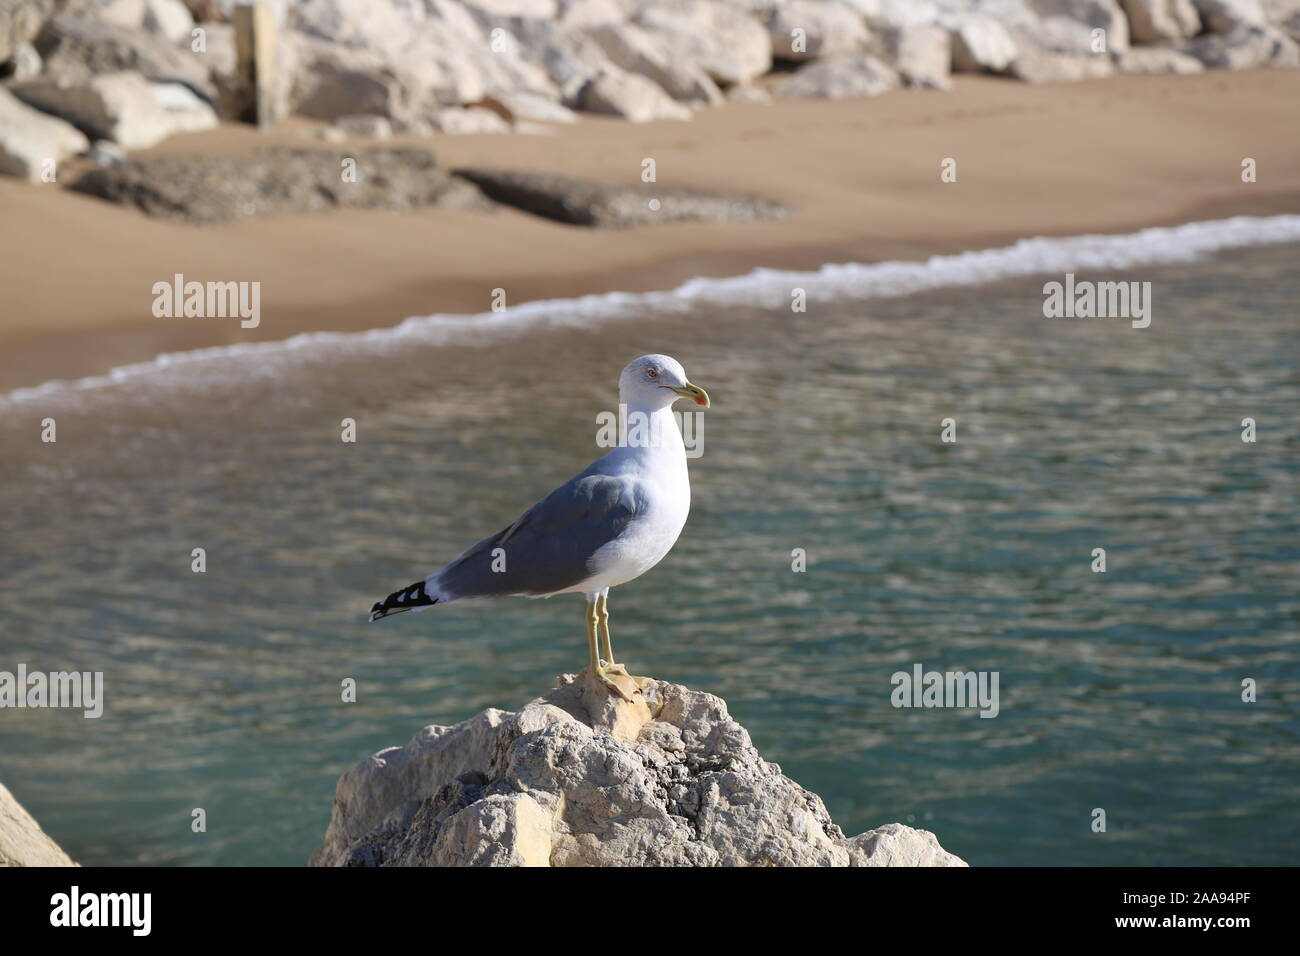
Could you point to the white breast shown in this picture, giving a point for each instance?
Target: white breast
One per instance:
(661, 472)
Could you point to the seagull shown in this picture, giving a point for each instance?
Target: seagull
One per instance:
(603, 527)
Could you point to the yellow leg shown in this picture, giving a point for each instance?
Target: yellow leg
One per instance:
(598, 669)
(607, 650)
(602, 616)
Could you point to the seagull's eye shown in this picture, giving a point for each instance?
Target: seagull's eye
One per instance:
(652, 372)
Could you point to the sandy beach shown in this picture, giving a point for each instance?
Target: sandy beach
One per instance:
(862, 178)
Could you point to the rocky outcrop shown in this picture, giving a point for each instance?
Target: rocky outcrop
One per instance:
(22, 841)
(577, 778)
(585, 203)
(31, 141)
(210, 189)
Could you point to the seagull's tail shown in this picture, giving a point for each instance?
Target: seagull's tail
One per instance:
(409, 598)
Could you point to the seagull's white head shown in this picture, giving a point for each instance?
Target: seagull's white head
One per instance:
(656, 381)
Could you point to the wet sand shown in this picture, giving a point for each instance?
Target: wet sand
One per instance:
(862, 177)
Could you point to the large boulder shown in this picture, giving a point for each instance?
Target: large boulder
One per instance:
(636, 50)
(1091, 15)
(30, 139)
(807, 29)
(400, 61)
(631, 96)
(20, 21)
(22, 841)
(1285, 15)
(123, 107)
(981, 45)
(75, 50)
(840, 77)
(1225, 16)
(921, 54)
(1161, 21)
(576, 778)
(569, 57)
(725, 41)
(1245, 48)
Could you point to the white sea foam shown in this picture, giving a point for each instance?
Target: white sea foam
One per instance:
(764, 288)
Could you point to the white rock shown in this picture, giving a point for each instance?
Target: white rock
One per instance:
(858, 74)
(468, 120)
(25, 63)
(981, 44)
(28, 140)
(728, 43)
(532, 108)
(632, 97)
(1224, 16)
(20, 21)
(806, 30)
(897, 845)
(636, 50)
(106, 153)
(365, 124)
(1152, 59)
(1092, 15)
(1285, 15)
(533, 9)
(586, 13)
(168, 18)
(749, 94)
(1244, 48)
(22, 841)
(122, 13)
(922, 55)
(377, 56)
(1158, 21)
(1282, 13)
(1060, 67)
(577, 779)
(123, 107)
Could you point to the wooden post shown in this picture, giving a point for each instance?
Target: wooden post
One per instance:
(258, 69)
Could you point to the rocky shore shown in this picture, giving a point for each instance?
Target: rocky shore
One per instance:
(22, 841)
(577, 778)
(106, 77)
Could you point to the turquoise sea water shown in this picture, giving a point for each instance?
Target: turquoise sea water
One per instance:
(1118, 690)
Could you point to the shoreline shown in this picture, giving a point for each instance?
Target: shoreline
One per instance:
(852, 170)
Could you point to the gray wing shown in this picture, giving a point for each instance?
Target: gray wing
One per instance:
(548, 549)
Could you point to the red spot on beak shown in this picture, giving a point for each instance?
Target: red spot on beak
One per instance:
(699, 400)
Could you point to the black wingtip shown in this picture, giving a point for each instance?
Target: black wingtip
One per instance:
(406, 599)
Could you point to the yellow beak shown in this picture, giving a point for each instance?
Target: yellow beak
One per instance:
(696, 394)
